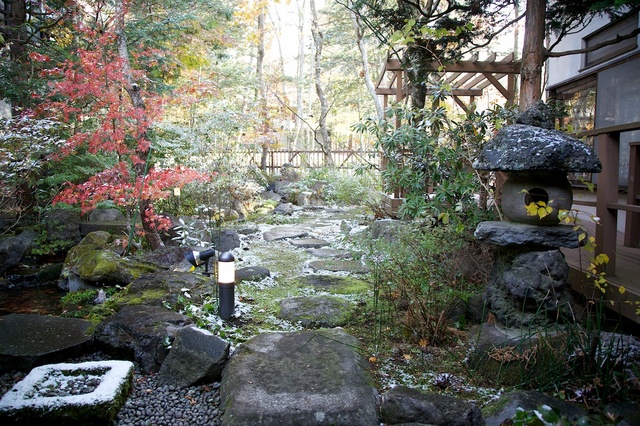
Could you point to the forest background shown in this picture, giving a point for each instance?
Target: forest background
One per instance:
(128, 101)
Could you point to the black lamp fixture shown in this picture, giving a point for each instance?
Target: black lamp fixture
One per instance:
(226, 285)
(226, 277)
(197, 258)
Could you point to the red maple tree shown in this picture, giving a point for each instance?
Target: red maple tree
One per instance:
(106, 99)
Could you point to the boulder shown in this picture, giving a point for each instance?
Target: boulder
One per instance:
(285, 209)
(387, 229)
(43, 397)
(28, 340)
(252, 273)
(626, 413)
(505, 407)
(12, 249)
(106, 215)
(93, 262)
(402, 404)
(140, 333)
(196, 356)
(63, 228)
(165, 257)
(300, 378)
(226, 240)
(315, 311)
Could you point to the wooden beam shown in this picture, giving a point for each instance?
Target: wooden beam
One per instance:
(479, 67)
(463, 66)
(608, 182)
(462, 105)
(632, 223)
(610, 129)
(497, 84)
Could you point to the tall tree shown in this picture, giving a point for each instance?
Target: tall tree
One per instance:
(532, 55)
(560, 18)
(318, 41)
(358, 28)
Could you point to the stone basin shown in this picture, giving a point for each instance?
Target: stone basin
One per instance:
(69, 394)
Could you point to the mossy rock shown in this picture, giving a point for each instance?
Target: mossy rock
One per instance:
(105, 266)
(93, 261)
(316, 311)
(165, 287)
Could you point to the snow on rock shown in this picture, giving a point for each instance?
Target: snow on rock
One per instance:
(70, 394)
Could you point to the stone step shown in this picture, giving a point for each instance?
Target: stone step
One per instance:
(301, 378)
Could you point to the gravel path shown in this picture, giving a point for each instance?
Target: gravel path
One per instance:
(152, 404)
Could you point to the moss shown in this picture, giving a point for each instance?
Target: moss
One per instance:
(144, 297)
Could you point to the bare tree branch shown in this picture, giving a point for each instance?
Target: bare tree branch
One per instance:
(606, 43)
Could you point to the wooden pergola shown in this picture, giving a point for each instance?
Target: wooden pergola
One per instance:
(467, 78)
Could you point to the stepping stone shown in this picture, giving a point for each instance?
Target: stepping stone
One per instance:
(283, 232)
(327, 252)
(309, 243)
(28, 340)
(69, 394)
(301, 378)
(334, 284)
(316, 311)
(252, 273)
(332, 265)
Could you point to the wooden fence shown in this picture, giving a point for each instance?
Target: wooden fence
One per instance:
(343, 159)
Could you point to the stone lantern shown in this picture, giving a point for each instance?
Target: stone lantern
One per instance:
(528, 283)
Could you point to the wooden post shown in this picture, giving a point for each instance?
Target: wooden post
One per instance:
(608, 182)
(632, 223)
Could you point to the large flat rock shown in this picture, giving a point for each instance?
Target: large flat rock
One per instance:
(28, 340)
(283, 233)
(302, 378)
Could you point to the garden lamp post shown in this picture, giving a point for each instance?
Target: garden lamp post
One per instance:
(226, 284)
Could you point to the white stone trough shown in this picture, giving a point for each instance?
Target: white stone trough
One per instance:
(69, 394)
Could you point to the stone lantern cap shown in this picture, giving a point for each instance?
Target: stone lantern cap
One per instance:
(533, 145)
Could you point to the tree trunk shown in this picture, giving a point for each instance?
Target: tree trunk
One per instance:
(300, 74)
(143, 145)
(532, 55)
(318, 39)
(262, 92)
(355, 19)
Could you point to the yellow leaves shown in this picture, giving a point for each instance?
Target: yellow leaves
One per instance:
(539, 208)
(621, 289)
(407, 357)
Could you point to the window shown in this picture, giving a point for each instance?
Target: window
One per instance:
(610, 32)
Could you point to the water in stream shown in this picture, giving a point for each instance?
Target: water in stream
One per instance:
(42, 300)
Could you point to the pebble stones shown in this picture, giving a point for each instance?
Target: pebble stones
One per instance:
(153, 404)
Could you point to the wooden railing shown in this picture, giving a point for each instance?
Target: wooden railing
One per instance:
(342, 159)
(607, 202)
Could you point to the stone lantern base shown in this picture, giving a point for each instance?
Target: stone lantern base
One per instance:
(528, 282)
